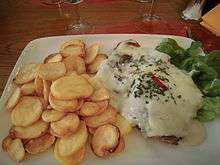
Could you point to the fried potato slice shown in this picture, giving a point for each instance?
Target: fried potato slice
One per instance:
(16, 150)
(93, 108)
(63, 105)
(91, 130)
(26, 74)
(103, 105)
(105, 140)
(72, 50)
(28, 88)
(80, 104)
(94, 66)
(107, 116)
(73, 143)
(52, 71)
(95, 82)
(13, 99)
(38, 83)
(44, 104)
(73, 159)
(55, 57)
(27, 111)
(100, 95)
(33, 131)
(76, 42)
(75, 63)
(89, 109)
(46, 90)
(6, 142)
(101, 92)
(71, 87)
(52, 115)
(73, 47)
(91, 53)
(123, 124)
(66, 126)
(121, 146)
(40, 144)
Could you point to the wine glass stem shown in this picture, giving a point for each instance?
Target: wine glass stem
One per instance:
(78, 17)
(150, 12)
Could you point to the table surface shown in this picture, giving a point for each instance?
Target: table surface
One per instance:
(23, 21)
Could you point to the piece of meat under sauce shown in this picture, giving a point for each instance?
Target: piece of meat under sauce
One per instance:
(169, 139)
(173, 140)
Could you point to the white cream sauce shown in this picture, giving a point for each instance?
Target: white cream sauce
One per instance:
(149, 91)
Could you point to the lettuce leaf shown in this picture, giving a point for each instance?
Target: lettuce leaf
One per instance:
(213, 60)
(205, 71)
(206, 116)
(170, 47)
(212, 88)
(212, 104)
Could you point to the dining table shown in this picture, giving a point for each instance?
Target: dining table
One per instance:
(25, 20)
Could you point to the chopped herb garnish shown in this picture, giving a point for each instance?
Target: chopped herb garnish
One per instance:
(179, 96)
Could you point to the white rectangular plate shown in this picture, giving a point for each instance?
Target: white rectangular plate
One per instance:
(138, 150)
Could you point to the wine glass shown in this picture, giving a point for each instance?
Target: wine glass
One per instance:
(79, 26)
(52, 2)
(148, 15)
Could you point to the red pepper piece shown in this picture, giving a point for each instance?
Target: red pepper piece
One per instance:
(158, 82)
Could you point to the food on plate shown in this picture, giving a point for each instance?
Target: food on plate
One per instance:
(63, 105)
(28, 88)
(55, 57)
(33, 131)
(73, 159)
(93, 108)
(73, 48)
(51, 71)
(27, 111)
(71, 144)
(52, 115)
(16, 150)
(26, 74)
(204, 70)
(71, 87)
(38, 83)
(65, 126)
(60, 102)
(13, 99)
(94, 66)
(75, 63)
(152, 93)
(123, 124)
(105, 140)
(40, 144)
(46, 90)
(107, 116)
(6, 142)
(121, 145)
(91, 53)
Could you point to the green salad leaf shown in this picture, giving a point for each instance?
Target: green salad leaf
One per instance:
(205, 116)
(213, 60)
(201, 73)
(212, 88)
(170, 47)
(210, 109)
(212, 104)
(195, 49)
(204, 69)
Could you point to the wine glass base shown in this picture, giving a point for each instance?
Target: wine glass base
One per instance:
(80, 28)
(147, 18)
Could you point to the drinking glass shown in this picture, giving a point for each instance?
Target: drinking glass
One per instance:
(79, 26)
(52, 2)
(148, 15)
